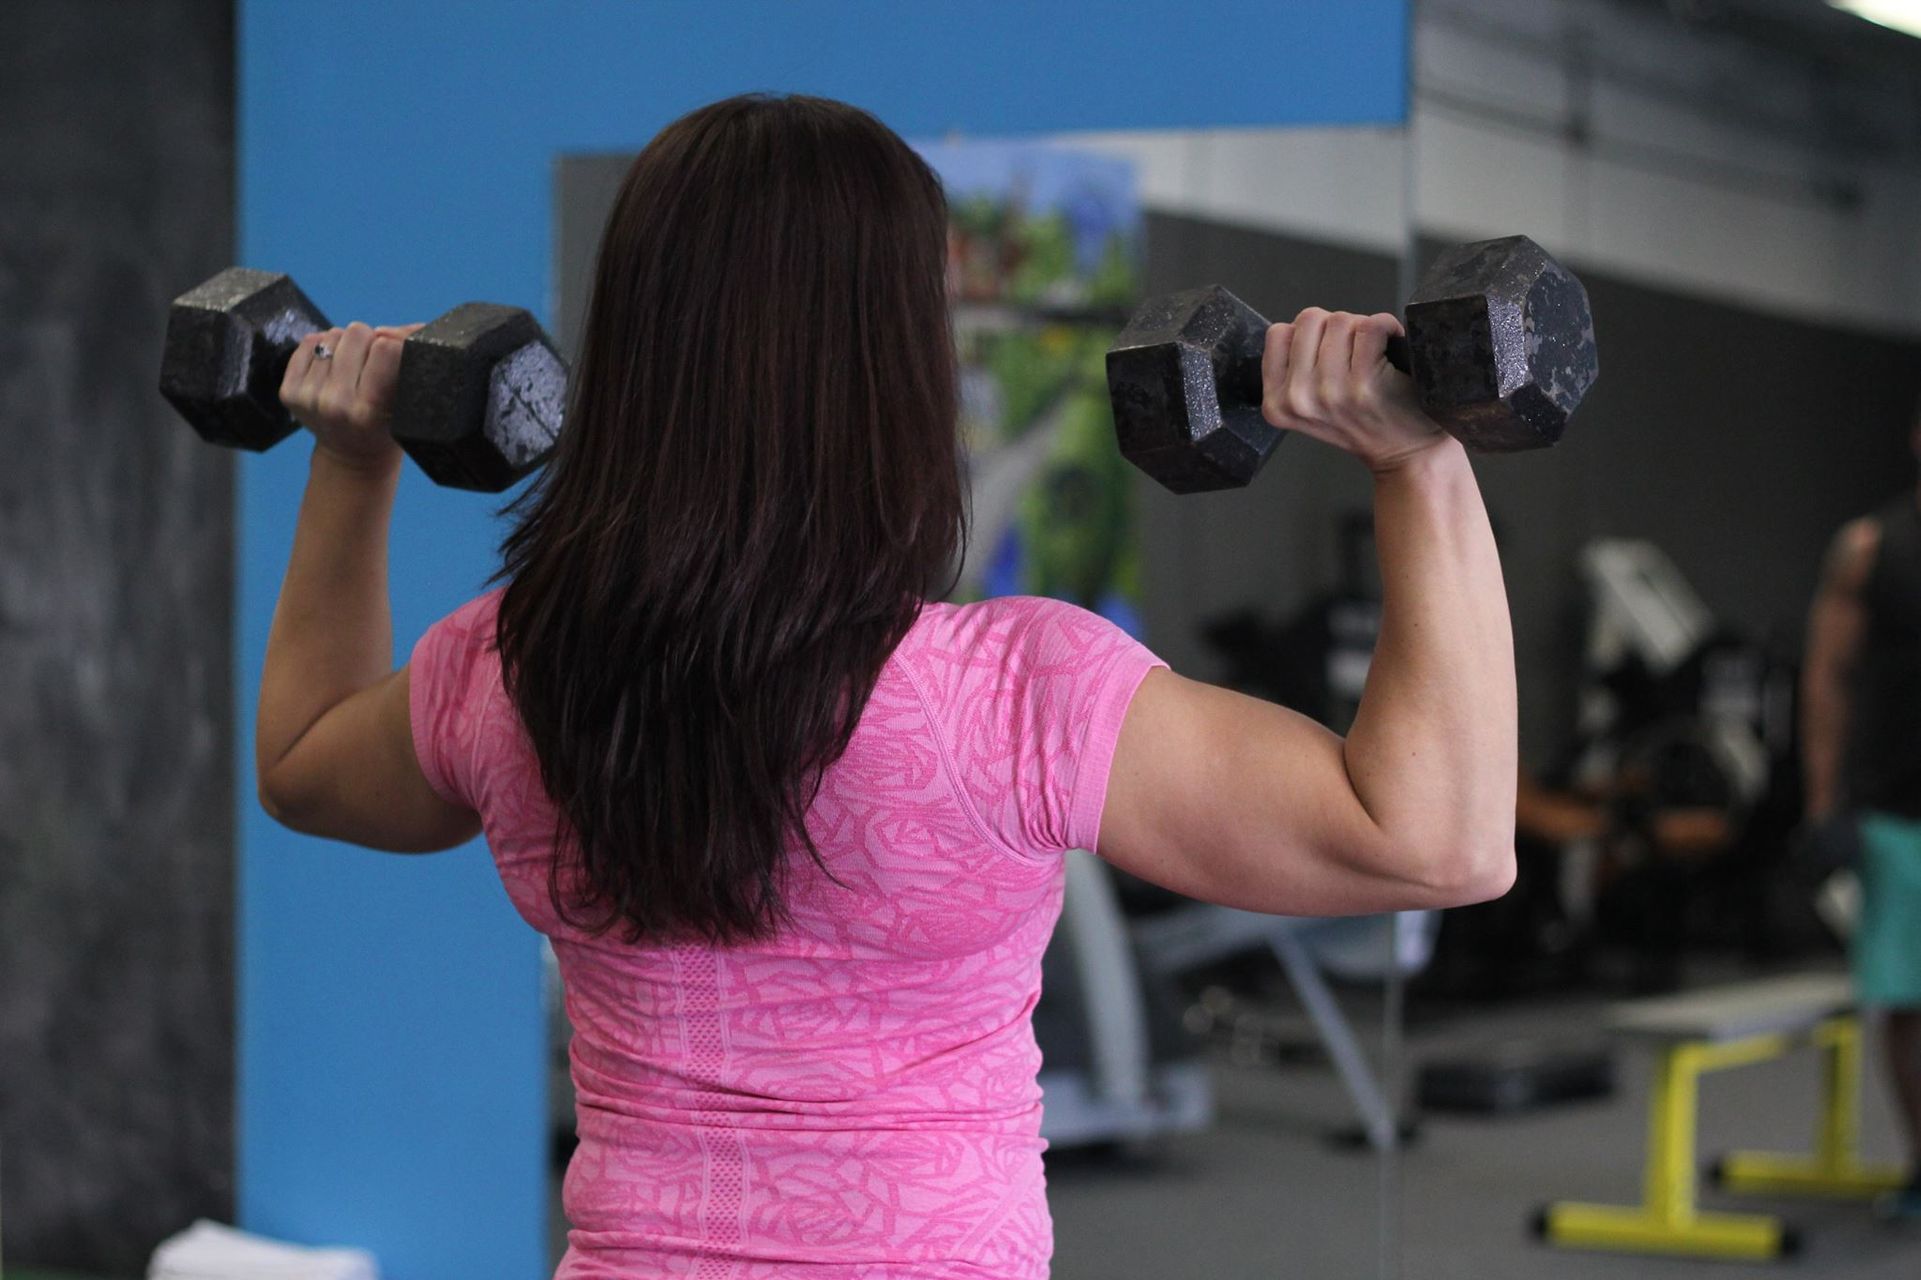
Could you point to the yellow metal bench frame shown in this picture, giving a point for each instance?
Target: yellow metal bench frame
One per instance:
(1668, 1221)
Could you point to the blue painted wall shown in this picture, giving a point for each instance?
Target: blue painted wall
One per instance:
(395, 156)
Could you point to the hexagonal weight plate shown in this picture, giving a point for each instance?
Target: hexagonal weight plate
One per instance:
(227, 345)
(1184, 379)
(1502, 339)
(481, 397)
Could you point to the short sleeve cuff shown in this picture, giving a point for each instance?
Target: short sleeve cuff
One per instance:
(425, 675)
(1096, 761)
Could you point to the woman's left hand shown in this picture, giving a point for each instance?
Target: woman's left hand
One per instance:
(346, 396)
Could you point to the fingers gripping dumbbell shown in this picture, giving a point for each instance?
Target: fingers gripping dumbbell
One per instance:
(478, 404)
(1500, 344)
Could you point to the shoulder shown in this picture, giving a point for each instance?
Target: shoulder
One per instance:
(469, 628)
(476, 618)
(1013, 621)
(1851, 554)
(1021, 634)
(456, 649)
(1026, 697)
(1023, 654)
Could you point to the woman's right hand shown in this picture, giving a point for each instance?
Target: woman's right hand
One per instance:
(340, 385)
(1326, 375)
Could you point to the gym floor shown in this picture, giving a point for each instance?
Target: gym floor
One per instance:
(1263, 1195)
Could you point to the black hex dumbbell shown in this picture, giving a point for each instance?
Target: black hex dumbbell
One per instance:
(478, 404)
(1500, 344)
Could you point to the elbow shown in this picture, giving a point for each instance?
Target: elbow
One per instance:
(1491, 876)
(271, 803)
(1470, 871)
(277, 799)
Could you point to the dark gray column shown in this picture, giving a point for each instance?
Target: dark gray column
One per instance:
(116, 547)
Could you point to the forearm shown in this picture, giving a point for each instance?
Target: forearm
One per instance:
(1824, 700)
(332, 632)
(1432, 754)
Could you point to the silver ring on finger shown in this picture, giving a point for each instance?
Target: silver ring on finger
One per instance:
(321, 351)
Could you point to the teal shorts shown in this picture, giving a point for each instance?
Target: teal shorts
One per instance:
(1887, 943)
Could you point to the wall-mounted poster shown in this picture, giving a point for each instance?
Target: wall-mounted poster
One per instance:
(1044, 254)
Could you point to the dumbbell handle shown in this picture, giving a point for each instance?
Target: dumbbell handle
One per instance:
(1242, 378)
(283, 351)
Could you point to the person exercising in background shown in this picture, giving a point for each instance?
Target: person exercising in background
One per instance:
(795, 829)
(1861, 737)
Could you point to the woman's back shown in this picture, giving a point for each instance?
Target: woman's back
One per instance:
(858, 1090)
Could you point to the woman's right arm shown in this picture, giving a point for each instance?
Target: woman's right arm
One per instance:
(1236, 801)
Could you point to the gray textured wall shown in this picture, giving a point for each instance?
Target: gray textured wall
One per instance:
(116, 842)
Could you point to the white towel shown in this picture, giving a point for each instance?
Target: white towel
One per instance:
(209, 1251)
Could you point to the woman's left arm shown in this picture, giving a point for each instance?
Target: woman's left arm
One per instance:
(333, 745)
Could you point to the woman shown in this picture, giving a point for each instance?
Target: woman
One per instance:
(795, 830)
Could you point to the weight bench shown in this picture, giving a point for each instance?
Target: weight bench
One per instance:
(1714, 1030)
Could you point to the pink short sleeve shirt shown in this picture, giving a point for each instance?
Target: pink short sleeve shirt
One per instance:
(855, 1096)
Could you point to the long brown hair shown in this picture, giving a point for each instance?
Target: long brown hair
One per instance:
(758, 485)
